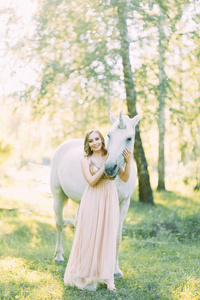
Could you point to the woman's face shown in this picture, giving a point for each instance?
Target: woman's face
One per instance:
(95, 142)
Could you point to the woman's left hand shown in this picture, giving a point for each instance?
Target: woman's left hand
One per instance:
(127, 156)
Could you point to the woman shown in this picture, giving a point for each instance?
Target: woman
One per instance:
(92, 258)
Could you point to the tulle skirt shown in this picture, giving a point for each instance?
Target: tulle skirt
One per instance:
(93, 253)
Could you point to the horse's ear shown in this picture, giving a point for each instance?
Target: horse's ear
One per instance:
(112, 117)
(135, 120)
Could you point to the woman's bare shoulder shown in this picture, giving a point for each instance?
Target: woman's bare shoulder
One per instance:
(84, 159)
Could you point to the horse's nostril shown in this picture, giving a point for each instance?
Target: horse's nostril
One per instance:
(111, 169)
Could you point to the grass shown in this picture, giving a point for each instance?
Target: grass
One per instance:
(159, 253)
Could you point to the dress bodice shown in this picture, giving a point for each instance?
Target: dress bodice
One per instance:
(93, 167)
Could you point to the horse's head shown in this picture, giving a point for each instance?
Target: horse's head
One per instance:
(120, 136)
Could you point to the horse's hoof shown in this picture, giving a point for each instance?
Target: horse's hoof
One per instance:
(59, 258)
(112, 288)
(119, 275)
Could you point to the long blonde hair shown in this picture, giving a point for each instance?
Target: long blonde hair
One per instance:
(87, 149)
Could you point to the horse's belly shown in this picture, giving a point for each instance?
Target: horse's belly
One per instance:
(73, 192)
(72, 181)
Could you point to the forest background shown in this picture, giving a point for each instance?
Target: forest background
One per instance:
(63, 69)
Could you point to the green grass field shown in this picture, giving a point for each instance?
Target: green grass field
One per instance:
(159, 253)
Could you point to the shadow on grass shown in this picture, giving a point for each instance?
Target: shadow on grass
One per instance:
(165, 219)
(169, 199)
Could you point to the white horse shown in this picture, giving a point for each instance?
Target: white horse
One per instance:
(67, 180)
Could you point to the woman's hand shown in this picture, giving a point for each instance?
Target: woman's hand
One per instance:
(127, 156)
(124, 174)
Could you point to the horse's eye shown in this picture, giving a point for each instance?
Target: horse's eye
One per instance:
(129, 139)
(108, 135)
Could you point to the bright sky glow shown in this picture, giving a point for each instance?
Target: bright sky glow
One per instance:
(15, 75)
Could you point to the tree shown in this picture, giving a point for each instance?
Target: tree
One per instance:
(161, 100)
(145, 191)
(160, 16)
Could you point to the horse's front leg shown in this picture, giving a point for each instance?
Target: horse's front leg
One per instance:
(123, 208)
(59, 200)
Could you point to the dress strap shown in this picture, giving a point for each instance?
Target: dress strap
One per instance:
(95, 164)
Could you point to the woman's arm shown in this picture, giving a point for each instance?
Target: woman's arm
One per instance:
(125, 173)
(91, 179)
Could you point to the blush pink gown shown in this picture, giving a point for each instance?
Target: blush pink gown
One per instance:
(93, 253)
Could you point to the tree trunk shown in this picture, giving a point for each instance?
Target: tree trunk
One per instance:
(145, 191)
(161, 99)
(182, 142)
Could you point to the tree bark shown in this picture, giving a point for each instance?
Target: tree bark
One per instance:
(182, 142)
(161, 99)
(145, 191)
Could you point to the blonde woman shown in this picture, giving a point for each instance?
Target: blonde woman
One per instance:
(92, 257)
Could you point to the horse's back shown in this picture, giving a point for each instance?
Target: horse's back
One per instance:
(66, 172)
(66, 169)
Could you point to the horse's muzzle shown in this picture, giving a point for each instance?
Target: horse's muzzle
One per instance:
(111, 171)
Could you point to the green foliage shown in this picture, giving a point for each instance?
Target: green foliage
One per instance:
(72, 46)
